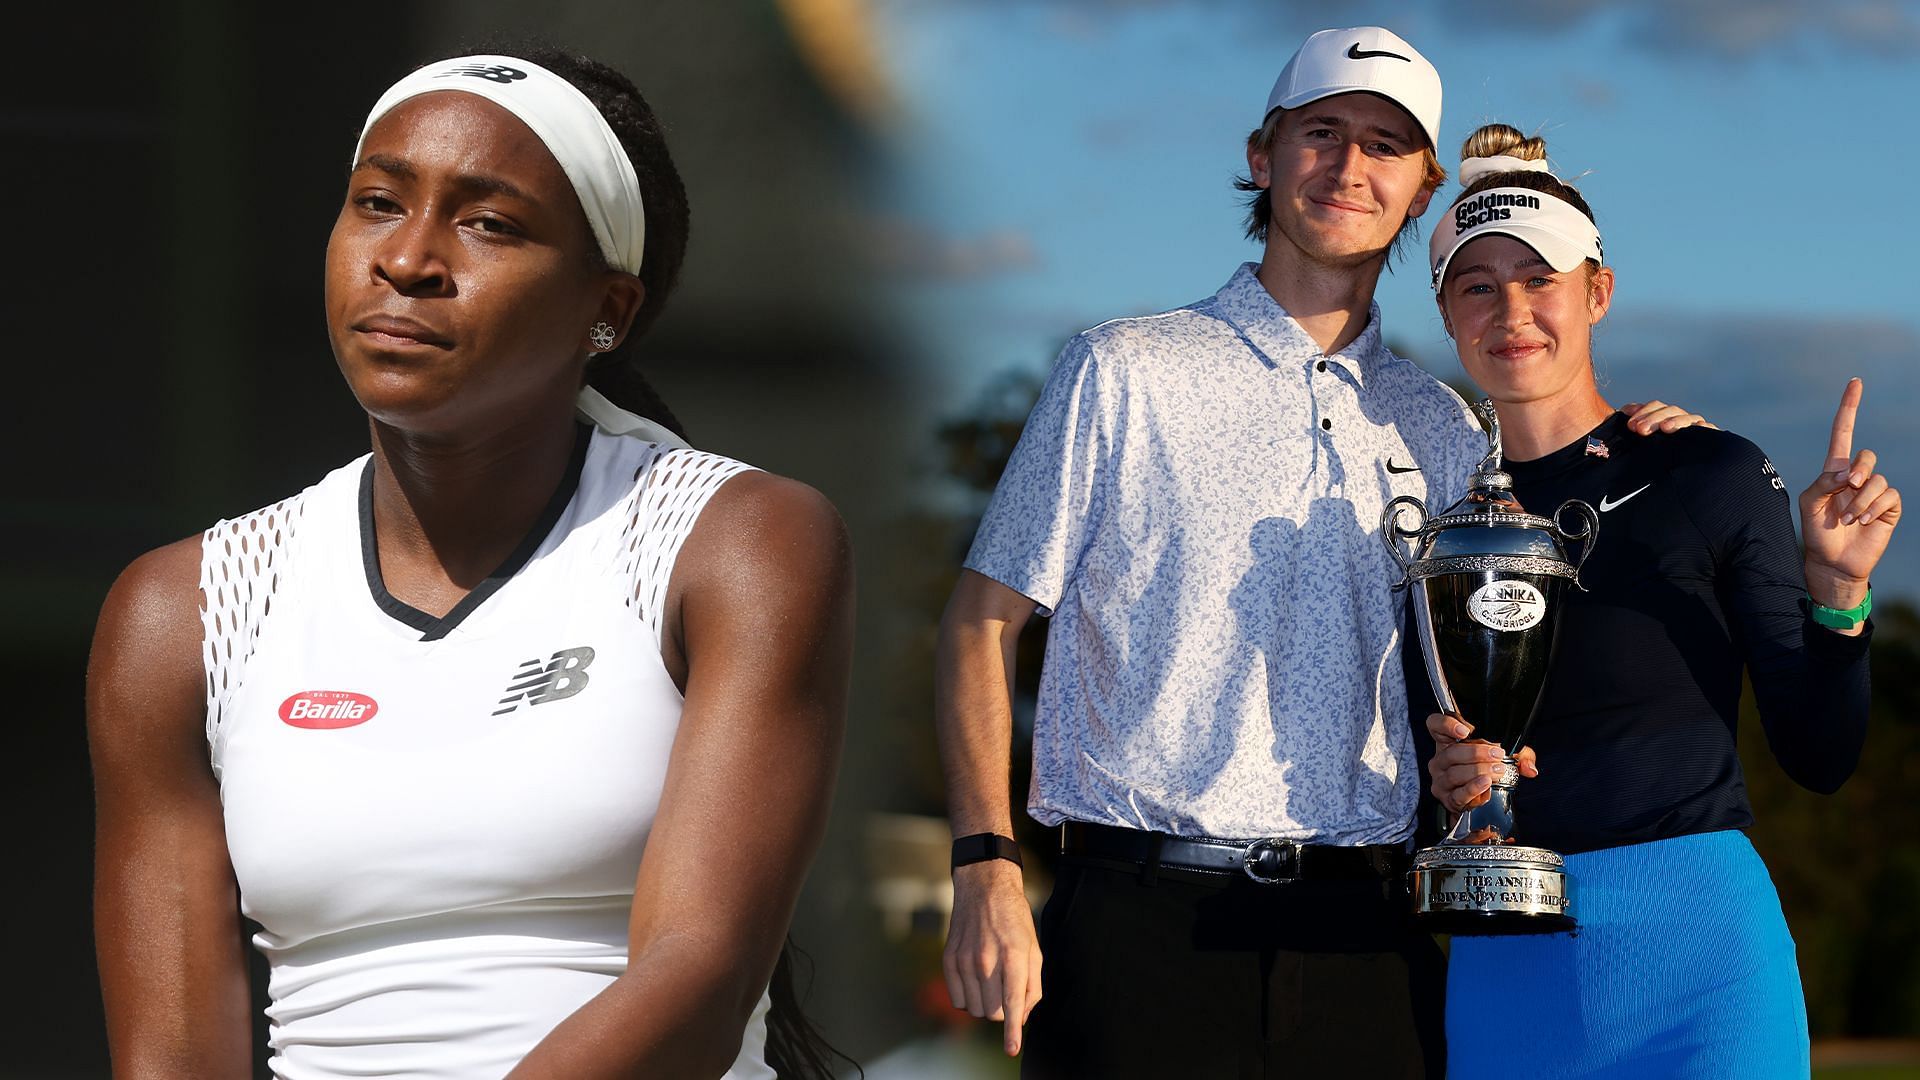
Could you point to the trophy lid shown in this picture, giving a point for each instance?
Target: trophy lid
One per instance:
(1488, 522)
(1489, 500)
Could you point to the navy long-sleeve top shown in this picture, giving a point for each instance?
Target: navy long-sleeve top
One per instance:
(1695, 576)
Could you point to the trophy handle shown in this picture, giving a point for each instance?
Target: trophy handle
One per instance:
(1590, 529)
(1390, 529)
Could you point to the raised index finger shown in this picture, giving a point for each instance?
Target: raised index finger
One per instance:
(1840, 442)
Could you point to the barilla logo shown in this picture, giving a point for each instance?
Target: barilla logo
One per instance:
(323, 709)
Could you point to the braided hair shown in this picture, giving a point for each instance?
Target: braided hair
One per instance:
(616, 373)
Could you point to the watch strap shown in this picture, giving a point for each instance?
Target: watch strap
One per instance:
(981, 847)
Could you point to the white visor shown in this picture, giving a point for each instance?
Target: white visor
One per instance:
(1552, 227)
(561, 116)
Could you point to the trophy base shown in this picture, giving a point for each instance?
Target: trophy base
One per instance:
(1490, 889)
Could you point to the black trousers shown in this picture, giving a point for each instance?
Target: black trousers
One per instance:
(1177, 974)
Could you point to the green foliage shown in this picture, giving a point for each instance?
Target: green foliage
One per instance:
(1848, 865)
(979, 443)
(921, 570)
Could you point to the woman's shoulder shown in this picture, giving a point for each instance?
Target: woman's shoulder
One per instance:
(147, 644)
(1706, 451)
(768, 560)
(756, 510)
(763, 528)
(160, 585)
(154, 608)
(702, 515)
(679, 478)
(1728, 484)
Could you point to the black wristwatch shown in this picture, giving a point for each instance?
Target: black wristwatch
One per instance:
(983, 846)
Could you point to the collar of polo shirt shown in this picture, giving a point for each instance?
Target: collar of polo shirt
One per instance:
(1274, 336)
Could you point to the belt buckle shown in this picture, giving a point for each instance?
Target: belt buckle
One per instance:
(1288, 850)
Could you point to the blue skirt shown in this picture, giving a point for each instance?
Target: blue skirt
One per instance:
(1681, 967)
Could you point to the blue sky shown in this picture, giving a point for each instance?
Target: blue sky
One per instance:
(1751, 164)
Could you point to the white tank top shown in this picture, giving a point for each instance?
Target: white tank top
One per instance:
(437, 822)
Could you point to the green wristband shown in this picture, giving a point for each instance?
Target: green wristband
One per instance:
(1839, 618)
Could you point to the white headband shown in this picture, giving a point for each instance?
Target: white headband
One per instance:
(1553, 227)
(615, 420)
(561, 116)
(588, 152)
(1474, 168)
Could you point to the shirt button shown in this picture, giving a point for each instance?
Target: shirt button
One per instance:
(1322, 365)
(1326, 425)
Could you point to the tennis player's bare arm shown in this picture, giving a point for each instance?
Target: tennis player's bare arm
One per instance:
(759, 629)
(992, 959)
(173, 968)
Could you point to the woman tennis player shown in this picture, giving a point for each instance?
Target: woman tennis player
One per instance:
(516, 735)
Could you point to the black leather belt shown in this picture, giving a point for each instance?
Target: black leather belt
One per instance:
(1269, 862)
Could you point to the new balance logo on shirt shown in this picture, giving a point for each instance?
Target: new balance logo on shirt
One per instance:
(540, 681)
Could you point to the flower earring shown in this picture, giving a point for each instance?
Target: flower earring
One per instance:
(602, 336)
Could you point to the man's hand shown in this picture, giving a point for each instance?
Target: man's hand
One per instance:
(1462, 769)
(1645, 418)
(992, 961)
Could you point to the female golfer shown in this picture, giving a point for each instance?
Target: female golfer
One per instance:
(515, 736)
(1682, 964)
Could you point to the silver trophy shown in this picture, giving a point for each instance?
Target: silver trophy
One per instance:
(1487, 581)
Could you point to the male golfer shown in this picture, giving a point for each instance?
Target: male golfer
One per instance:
(1222, 728)
(1222, 723)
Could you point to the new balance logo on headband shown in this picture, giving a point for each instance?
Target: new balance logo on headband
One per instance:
(499, 73)
(564, 120)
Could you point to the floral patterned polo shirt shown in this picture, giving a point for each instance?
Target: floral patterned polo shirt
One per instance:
(1196, 502)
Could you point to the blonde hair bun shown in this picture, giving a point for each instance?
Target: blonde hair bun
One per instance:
(1502, 140)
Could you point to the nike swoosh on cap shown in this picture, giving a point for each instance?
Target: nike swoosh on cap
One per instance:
(1355, 52)
(1392, 468)
(1607, 504)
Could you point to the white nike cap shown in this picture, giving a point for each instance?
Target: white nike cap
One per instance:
(1362, 59)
